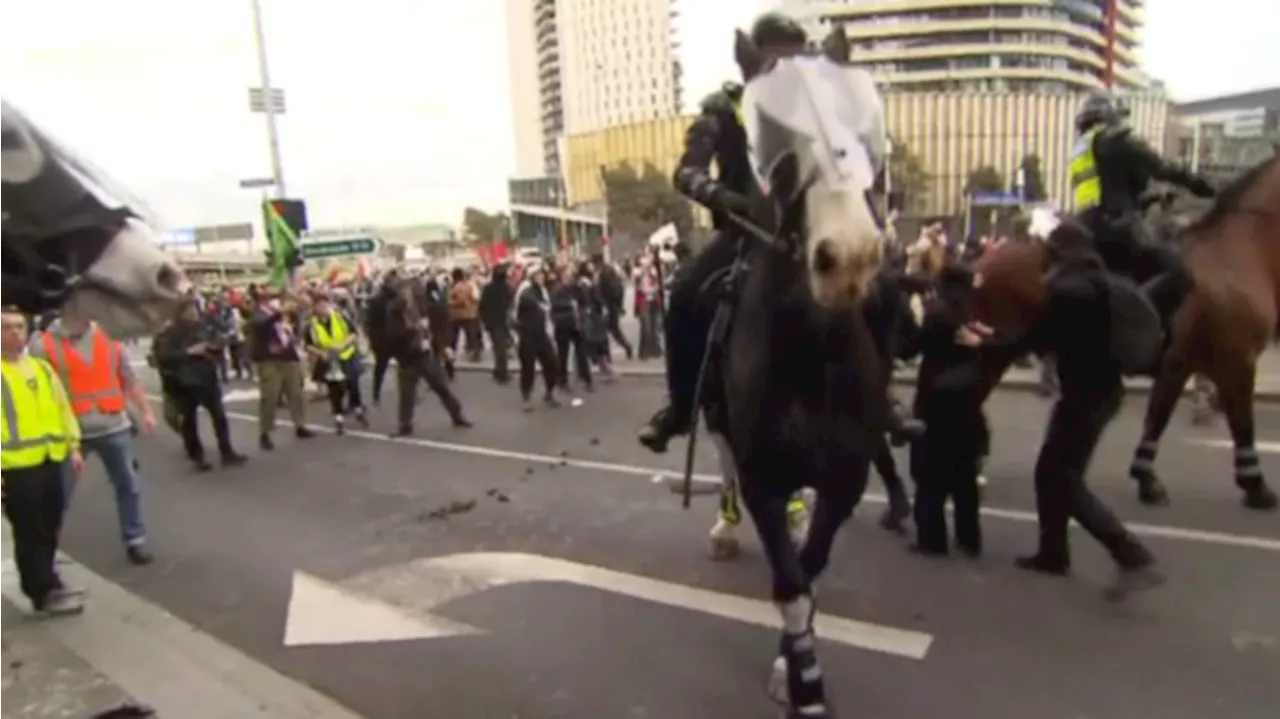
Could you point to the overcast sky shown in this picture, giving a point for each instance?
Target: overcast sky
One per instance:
(397, 109)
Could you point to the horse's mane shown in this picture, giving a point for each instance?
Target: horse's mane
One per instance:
(1229, 197)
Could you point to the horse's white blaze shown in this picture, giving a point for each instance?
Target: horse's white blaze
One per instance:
(840, 223)
(144, 284)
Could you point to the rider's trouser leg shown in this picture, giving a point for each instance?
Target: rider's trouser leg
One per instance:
(688, 321)
(1170, 282)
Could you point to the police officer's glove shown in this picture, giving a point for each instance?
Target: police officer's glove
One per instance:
(729, 201)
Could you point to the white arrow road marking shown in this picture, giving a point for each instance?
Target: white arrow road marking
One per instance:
(423, 585)
(323, 613)
(165, 662)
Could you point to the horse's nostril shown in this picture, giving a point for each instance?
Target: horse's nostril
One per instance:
(171, 278)
(824, 257)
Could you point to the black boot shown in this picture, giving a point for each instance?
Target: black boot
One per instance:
(669, 422)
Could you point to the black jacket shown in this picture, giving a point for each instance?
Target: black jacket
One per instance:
(180, 369)
(949, 372)
(716, 137)
(495, 301)
(567, 300)
(533, 306)
(1127, 165)
(1077, 326)
(375, 323)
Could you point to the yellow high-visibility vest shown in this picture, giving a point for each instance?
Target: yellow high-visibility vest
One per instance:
(34, 415)
(326, 341)
(1085, 182)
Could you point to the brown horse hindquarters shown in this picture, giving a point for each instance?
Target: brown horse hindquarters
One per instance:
(1222, 329)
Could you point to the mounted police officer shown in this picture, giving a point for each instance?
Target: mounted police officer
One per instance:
(1111, 168)
(716, 136)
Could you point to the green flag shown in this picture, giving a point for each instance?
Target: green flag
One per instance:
(283, 242)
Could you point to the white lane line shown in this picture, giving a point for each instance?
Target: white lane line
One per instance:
(167, 663)
(1262, 446)
(1160, 531)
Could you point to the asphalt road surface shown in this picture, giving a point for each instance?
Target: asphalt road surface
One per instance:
(531, 567)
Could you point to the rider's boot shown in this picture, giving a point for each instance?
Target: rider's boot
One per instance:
(686, 336)
(667, 423)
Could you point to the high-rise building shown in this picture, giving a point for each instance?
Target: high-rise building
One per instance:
(582, 65)
(525, 87)
(987, 45)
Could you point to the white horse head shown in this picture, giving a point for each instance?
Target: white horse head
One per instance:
(816, 131)
(71, 245)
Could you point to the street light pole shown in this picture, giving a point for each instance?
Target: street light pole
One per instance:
(264, 80)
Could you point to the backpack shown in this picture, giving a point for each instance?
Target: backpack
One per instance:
(1137, 334)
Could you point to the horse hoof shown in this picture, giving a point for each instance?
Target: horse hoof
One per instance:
(1261, 499)
(778, 683)
(1150, 491)
(1153, 496)
(724, 542)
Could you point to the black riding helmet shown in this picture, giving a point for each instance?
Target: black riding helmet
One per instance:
(773, 29)
(1098, 108)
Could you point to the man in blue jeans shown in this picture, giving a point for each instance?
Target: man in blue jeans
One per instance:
(100, 382)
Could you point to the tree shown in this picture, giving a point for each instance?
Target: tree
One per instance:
(1033, 189)
(641, 202)
(984, 179)
(479, 226)
(907, 178)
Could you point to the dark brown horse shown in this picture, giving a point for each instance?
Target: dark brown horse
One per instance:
(1232, 254)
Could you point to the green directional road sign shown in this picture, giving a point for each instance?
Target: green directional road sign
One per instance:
(325, 249)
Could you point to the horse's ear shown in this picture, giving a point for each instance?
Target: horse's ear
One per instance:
(749, 57)
(836, 47)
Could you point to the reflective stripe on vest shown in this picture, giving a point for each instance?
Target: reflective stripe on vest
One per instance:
(31, 422)
(326, 342)
(93, 385)
(1085, 182)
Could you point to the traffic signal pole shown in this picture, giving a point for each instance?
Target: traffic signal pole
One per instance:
(264, 79)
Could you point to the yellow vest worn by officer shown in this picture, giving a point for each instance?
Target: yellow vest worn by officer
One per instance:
(327, 341)
(1085, 182)
(37, 423)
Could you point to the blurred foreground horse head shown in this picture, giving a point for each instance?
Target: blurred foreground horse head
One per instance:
(68, 247)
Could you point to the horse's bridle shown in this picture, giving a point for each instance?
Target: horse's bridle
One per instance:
(41, 268)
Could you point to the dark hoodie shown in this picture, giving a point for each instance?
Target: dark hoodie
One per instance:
(496, 299)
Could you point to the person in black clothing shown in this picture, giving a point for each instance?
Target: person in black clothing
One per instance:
(945, 460)
(533, 307)
(409, 339)
(495, 316)
(186, 351)
(568, 298)
(1111, 170)
(1076, 329)
(717, 136)
(375, 327)
(434, 305)
(613, 293)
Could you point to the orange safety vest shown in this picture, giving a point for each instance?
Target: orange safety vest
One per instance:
(94, 384)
